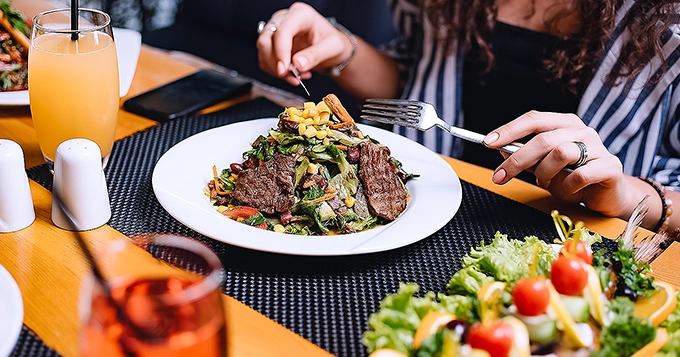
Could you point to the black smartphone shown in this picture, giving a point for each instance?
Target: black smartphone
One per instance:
(188, 95)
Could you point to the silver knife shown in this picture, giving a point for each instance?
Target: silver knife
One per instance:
(296, 73)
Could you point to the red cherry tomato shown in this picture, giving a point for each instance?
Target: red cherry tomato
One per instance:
(579, 249)
(494, 337)
(568, 275)
(531, 296)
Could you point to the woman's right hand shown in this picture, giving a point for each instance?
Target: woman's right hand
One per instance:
(303, 38)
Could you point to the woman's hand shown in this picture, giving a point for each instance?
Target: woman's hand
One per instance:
(599, 183)
(302, 38)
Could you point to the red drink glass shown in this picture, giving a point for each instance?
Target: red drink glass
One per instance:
(169, 309)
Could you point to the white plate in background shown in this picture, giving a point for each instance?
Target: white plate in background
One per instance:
(183, 172)
(11, 313)
(128, 45)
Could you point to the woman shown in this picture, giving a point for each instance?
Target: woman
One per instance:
(483, 63)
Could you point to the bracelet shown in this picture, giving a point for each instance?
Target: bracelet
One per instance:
(335, 71)
(666, 204)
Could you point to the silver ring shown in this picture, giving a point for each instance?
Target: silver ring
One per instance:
(262, 26)
(583, 157)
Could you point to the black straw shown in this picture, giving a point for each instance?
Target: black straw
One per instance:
(74, 20)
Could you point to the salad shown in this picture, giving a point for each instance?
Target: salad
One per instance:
(14, 32)
(528, 298)
(316, 173)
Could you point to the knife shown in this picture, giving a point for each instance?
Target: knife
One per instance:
(296, 73)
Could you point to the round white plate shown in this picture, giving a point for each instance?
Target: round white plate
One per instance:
(183, 171)
(128, 45)
(11, 312)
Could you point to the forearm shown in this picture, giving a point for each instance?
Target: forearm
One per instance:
(370, 74)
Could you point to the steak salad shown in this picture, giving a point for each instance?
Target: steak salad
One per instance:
(316, 173)
(14, 32)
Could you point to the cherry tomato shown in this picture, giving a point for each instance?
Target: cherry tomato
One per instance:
(579, 249)
(240, 212)
(494, 337)
(568, 275)
(531, 296)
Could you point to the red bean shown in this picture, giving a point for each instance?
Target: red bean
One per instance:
(236, 168)
(402, 176)
(353, 155)
(286, 217)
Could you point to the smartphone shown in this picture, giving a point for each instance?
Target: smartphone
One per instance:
(188, 95)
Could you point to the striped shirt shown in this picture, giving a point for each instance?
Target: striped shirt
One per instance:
(638, 120)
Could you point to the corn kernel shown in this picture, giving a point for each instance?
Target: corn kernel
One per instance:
(302, 128)
(349, 201)
(310, 132)
(309, 105)
(322, 107)
(325, 117)
(320, 134)
(309, 121)
(329, 132)
(233, 177)
(325, 141)
(296, 118)
(221, 209)
(230, 206)
(292, 111)
(317, 120)
(313, 111)
(312, 169)
(240, 219)
(279, 228)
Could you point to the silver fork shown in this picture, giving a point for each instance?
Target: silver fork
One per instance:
(418, 115)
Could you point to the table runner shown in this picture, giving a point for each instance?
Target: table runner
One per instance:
(326, 300)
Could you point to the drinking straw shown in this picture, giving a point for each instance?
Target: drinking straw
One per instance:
(74, 19)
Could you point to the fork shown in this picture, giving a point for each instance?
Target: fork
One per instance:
(419, 115)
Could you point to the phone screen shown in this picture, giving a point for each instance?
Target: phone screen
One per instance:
(188, 95)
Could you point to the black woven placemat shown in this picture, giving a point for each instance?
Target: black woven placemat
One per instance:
(325, 299)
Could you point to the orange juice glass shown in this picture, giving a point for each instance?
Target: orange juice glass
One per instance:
(73, 82)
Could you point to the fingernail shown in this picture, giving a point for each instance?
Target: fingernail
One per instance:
(302, 63)
(280, 68)
(499, 176)
(491, 138)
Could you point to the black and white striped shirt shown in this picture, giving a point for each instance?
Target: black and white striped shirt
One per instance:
(637, 120)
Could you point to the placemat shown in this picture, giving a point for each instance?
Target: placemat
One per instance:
(326, 300)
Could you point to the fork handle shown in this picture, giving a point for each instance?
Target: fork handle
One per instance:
(477, 138)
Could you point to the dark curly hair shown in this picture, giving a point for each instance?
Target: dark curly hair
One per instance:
(579, 53)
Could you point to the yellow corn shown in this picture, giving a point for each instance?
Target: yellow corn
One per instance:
(310, 132)
(325, 141)
(302, 128)
(349, 201)
(279, 228)
(322, 107)
(309, 121)
(292, 111)
(221, 209)
(317, 119)
(328, 132)
(325, 117)
(320, 134)
(233, 177)
(312, 169)
(309, 105)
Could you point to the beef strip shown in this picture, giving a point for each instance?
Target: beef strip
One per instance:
(269, 187)
(384, 191)
(338, 206)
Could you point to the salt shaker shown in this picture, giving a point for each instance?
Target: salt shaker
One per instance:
(80, 200)
(16, 203)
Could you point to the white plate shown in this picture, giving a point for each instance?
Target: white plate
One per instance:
(128, 45)
(11, 312)
(183, 171)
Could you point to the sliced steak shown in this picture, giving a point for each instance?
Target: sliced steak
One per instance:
(269, 187)
(384, 191)
(338, 206)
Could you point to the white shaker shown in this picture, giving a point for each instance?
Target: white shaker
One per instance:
(16, 203)
(80, 200)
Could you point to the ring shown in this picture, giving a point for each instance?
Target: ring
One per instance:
(261, 26)
(583, 157)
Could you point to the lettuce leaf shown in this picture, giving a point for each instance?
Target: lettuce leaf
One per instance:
(467, 281)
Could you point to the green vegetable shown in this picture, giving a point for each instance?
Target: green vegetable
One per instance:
(577, 307)
(16, 19)
(255, 219)
(262, 149)
(635, 275)
(626, 334)
(463, 307)
(312, 209)
(509, 260)
(345, 139)
(227, 184)
(395, 324)
(300, 171)
(351, 181)
(467, 281)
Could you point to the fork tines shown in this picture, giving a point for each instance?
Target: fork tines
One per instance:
(393, 111)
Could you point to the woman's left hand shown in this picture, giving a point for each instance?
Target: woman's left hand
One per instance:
(599, 183)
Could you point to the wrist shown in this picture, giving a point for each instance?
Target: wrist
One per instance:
(350, 51)
(666, 204)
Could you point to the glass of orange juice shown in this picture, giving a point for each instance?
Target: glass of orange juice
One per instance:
(169, 307)
(73, 80)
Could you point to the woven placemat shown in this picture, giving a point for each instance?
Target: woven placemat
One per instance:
(326, 300)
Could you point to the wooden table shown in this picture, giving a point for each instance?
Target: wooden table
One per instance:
(48, 266)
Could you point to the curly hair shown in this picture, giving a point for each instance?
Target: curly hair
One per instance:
(578, 54)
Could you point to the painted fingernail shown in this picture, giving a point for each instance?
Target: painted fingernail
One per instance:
(302, 63)
(280, 68)
(491, 138)
(499, 176)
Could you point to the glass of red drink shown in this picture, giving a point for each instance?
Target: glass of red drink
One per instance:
(168, 307)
